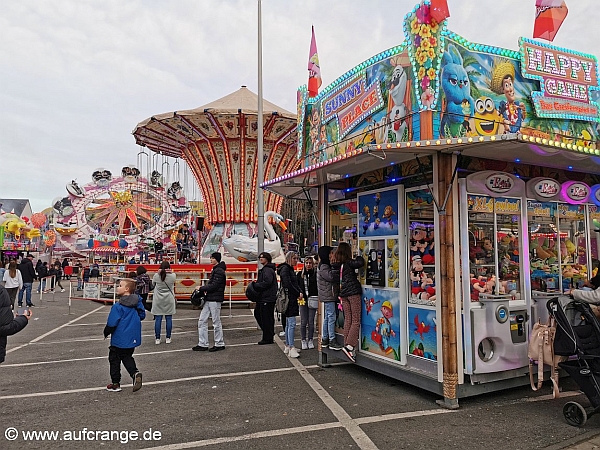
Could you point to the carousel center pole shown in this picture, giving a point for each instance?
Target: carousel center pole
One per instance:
(259, 154)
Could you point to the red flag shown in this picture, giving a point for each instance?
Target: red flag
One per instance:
(314, 70)
(549, 16)
(439, 10)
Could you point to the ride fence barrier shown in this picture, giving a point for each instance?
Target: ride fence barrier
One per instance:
(46, 282)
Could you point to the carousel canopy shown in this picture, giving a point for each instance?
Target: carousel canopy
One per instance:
(219, 143)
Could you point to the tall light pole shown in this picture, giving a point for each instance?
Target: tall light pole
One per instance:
(259, 155)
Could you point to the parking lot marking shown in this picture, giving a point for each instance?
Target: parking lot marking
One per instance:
(181, 318)
(150, 383)
(33, 341)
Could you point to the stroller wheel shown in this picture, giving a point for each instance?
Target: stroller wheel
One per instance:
(575, 414)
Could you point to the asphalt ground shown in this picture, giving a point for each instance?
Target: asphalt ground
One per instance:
(246, 397)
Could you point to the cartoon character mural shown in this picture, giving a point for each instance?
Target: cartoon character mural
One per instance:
(380, 331)
(378, 214)
(459, 103)
(397, 124)
(422, 335)
(503, 82)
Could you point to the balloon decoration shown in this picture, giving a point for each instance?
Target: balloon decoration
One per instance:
(38, 220)
(50, 238)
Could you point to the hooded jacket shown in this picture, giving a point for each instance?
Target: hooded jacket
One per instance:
(349, 284)
(125, 322)
(215, 288)
(307, 280)
(27, 270)
(266, 283)
(289, 281)
(9, 324)
(328, 278)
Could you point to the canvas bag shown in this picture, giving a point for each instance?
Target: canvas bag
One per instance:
(541, 349)
(282, 301)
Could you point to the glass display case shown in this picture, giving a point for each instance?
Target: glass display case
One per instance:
(494, 246)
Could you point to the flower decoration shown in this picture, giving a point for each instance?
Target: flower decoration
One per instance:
(424, 35)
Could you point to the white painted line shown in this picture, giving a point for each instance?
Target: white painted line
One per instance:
(150, 383)
(181, 318)
(90, 358)
(33, 341)
(405, 415)
(247, 437)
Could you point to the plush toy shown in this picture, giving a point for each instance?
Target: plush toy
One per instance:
(477, 287)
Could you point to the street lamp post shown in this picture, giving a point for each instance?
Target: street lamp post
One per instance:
(259, 155)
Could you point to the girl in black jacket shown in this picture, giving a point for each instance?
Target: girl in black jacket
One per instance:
(350, 293)
(289, 281)
(266, 286)
(307, 279)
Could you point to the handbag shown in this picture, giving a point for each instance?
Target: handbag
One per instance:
(313, 302)
(198, 298)
(541, 349)
(251, 293)
(282, 301)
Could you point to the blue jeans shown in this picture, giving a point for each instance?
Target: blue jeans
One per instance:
(26, 288)
(329, 321)
(42, 286)
(290, 328)
(158, 323)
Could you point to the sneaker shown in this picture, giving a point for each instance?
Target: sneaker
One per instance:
(167, 340)
(157, 341)
(113, 387)
(282, 334)
(293, 353)
(199, 348)
(62, 290)
(30, 305)
(216, 349)
(263, 342)
(311, 344)
(304, 345)
(349, 353)
(137, 381)
(325, 342)
(333, 345)
(286, 350)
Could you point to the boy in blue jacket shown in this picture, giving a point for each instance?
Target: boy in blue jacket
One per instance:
(125, 325)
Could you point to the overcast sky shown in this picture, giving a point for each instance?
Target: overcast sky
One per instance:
(76, 76)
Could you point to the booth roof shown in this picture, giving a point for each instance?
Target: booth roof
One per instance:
(506, 147)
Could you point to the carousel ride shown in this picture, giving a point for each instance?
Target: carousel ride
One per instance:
(125, 214)
(218, 141)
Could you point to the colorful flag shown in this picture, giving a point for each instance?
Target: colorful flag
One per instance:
(439, 10)
(549, 16)
(314, 70)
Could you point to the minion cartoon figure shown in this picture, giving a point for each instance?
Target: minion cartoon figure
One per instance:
(383, 327)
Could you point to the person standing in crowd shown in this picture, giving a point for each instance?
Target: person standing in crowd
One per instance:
(9, 324)
(289, 281)
(42, 273)
(79, 276)
(142, 285)
(3, 267)
(266, 286)
(328, 282)
(12, 282)
(28, 275)
(215, 294)
(86, 274)
(307, 279)
(52, 274)
(95, 272)
(350, 293)
(124, 325)
(59, 275)
(64, 264)
(163, 300)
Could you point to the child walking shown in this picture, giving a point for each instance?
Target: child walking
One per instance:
(125, 325)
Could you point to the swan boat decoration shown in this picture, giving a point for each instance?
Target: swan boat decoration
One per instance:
(244, 248)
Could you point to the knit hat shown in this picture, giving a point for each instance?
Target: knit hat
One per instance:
(217, 256)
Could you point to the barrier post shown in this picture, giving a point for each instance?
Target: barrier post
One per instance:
(230, 299)
(70, 295)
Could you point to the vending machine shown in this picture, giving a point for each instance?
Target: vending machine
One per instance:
(495, 275)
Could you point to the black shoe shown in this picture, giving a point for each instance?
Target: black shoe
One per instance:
(324, 342)
(263, 342)
(198, 348)
(333, 345)
(30, 305)
(216, 349)
(20, 305)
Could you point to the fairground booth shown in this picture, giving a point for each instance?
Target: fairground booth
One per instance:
(467, 176)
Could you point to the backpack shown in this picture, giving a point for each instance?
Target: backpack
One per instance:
(282, 301)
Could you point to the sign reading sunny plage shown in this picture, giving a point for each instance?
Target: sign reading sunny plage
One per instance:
(566, 79)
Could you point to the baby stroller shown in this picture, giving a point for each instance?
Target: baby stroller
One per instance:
(578, 333)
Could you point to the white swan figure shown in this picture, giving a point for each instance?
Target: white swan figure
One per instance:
(244, 248)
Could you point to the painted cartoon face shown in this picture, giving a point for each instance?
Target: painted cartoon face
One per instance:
(387, 312)
(509, 89)
(487, 119)
(459, 83)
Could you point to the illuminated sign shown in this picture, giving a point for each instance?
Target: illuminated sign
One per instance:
(566, 78)
(499, 183)
(575, 192)
(352, 102)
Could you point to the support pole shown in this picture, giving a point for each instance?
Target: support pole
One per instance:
(448, 298)
(260, 151)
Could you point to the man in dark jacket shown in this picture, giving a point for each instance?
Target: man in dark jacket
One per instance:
(215, 294)
(9, 324)
(28, 275)
(266, 286)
